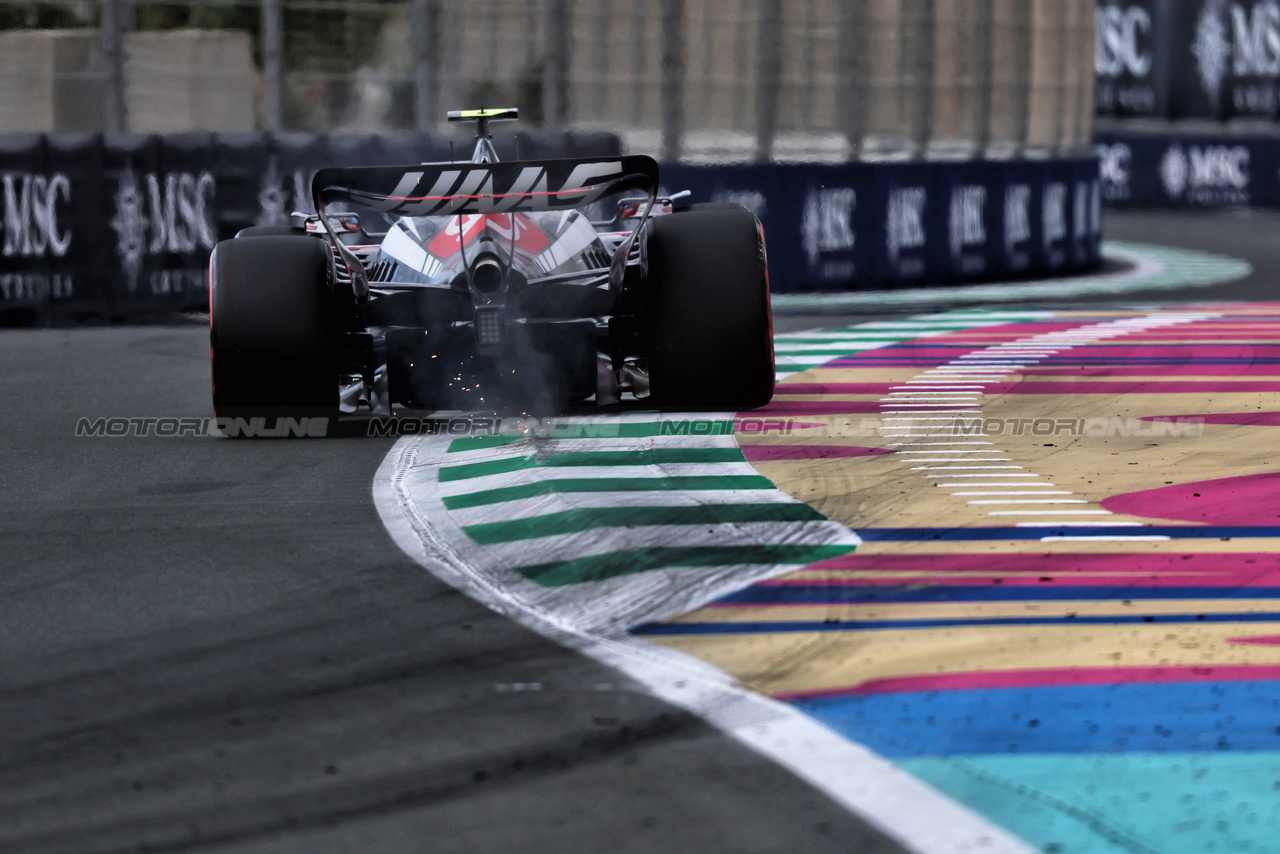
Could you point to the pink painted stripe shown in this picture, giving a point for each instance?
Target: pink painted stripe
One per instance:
(1252, 499)
(1021, 328)
(993, 564)
(1184, 334)
(1243, 419)
(744, 423)
(1154, 386)
(820, 407)
(1045, 678)
(1227, 581)
(835, 388)
(1262, 640)
(1160, 371)
(776, 453)
(941, 354)
(1190, 353)
(1121, 387)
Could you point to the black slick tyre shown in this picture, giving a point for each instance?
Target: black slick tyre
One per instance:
(271, 231)
(271, 331)
(708, 310)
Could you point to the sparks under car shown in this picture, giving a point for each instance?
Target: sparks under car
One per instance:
(531, 284)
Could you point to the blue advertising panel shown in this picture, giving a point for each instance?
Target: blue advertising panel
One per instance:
(974, 220)
(838, 219)
(1187, 59)
(78, 238)
(1187, 171)
(135, 222)
(1135, 46)
(121, 226)
(31, 244)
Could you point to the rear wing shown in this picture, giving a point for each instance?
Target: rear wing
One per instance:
(446, 189)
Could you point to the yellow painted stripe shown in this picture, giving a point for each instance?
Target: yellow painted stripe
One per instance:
(817, 661)
(977, 610)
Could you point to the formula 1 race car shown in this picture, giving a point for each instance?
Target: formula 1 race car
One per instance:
(532, 285)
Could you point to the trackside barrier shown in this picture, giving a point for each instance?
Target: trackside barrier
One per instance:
(1174, 170)
(120, 227)
(869, 226)
(1188, 59)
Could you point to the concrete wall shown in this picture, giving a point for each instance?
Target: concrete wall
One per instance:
(176, 81)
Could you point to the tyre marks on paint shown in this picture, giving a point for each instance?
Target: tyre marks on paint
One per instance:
(603, 520)
(587, 527)
(1068, 617)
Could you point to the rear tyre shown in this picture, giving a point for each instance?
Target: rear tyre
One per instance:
(271, 231)
(709, 206)
(708, 309)
(271, 331)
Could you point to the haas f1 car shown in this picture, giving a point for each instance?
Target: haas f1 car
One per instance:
(533, 285)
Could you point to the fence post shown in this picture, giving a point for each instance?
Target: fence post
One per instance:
(113, 55)
(1022, 77)
(556, 92)
(919, 34)
(424, 32)
(850, 73)
(983, 76)
(673, 79)
(768, 76)
(1062, 44)
(272, 63)
(1086, 41)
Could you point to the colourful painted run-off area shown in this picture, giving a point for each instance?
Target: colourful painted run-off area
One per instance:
(1065, 612)
(1031, 558)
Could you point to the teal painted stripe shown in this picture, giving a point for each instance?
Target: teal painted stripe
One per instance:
(612, 484)
(655, 456)
(615, 564)
(575, 521)
(1131, 803)
(833, 354)
(600, 430)
(1174, 268)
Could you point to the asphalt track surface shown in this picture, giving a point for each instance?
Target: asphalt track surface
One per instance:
(209, 645)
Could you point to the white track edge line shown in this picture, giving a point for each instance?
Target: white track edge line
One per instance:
(902, 806)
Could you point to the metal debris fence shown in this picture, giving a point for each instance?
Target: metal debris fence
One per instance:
(698, 80)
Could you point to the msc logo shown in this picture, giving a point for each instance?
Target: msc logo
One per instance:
(1246, 40)
(827, 225)
(1211, 48)
(276, 202)
(905, 223)
(1121, 35)
(1208, 173)
(1054, 214)
(1017, 225)
(1256, 38)
(175, 207)
(966, 225)
(1114, 162)
(31, 215)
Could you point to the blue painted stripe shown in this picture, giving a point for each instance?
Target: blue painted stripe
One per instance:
(1059, 363)
(1133, 717)
(833, 625)
(766, 594)
(1177, 532)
